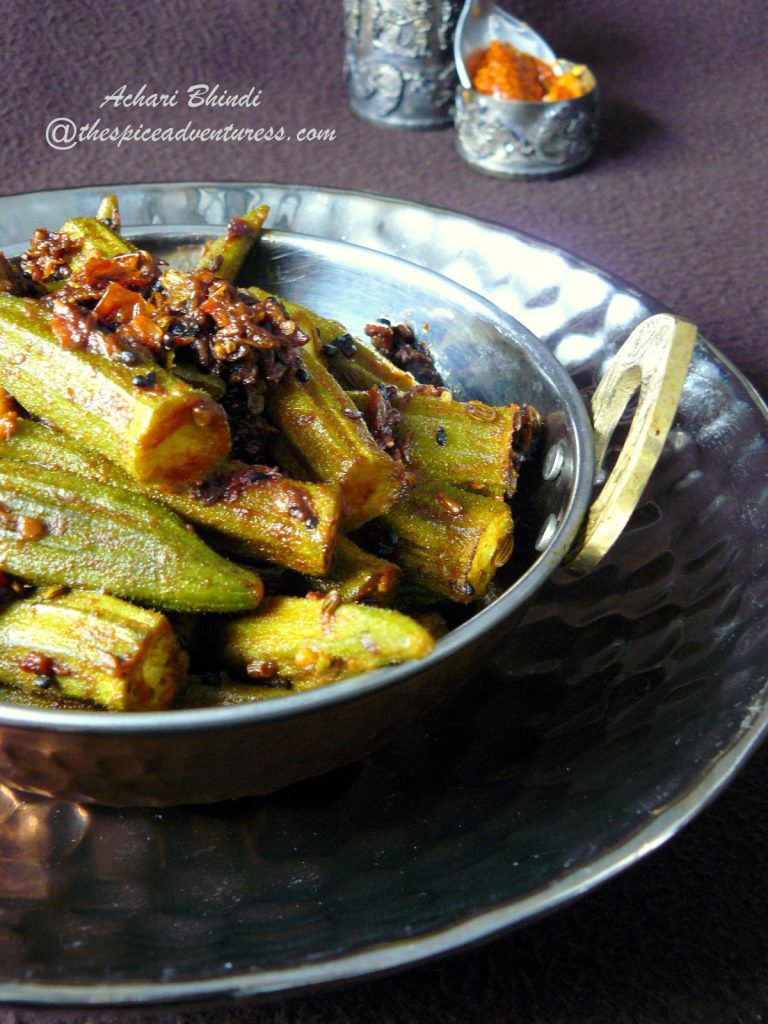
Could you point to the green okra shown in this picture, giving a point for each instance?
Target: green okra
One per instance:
(270, 517)
(57, 528)
(467, 444)
(449, 540)
(91, 647)
(96, 239)
(109, 212)
(355, 364)
(357, 575)
(158, 428)
(224, 256)
(320, 422)
(308, 642)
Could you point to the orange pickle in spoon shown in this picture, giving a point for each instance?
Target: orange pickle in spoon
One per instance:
(503, 71)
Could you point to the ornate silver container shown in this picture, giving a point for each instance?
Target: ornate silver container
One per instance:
(399, 60)
(521, 138)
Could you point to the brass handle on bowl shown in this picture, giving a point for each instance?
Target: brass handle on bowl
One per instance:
(654, 359)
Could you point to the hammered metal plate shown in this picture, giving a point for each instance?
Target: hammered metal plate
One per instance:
(622, 703)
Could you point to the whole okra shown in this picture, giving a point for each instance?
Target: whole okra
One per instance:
(57, 528)
(261, 516)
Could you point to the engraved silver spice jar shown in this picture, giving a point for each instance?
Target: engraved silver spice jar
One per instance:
(399, 61)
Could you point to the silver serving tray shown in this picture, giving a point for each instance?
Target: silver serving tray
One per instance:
(622, 703)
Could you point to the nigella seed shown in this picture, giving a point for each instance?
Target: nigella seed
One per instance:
(346, 343)
(128, 358)
(383, 320)
(44, 682)
(311, 522)
(440, 436)
(144, 380)
(254, 475)
(329, 350)
(301, 375)
(469, 590)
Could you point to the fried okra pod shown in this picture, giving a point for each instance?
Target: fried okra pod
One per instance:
(159, 429)
(258, 514)
(58, 528)
(351, 361)
(109, 213)
(357, 575)
(224, 256)
(307, 642)
(92, 647)
(324, 426)
(450, 541)
(466, 444)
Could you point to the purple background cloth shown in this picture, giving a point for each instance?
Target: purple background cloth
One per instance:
(674, 203)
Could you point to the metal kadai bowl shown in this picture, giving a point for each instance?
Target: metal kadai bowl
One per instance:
(210, 754)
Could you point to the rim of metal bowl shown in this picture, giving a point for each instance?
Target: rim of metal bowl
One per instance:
(479, 927)
(523, 588)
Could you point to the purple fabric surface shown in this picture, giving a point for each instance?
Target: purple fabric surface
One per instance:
(674, 203)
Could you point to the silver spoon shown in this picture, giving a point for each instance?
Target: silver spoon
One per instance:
(480, 22)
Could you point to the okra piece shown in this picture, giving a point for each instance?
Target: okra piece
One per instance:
(224, 256)
(109, 212)
(357, 575)
(57, 528)
(467, 444)
(450, 541)
(159, 429)
(96, 239)
(325, 427)
(261, 517)
(352, 362)
(308, 642)
(91, 647)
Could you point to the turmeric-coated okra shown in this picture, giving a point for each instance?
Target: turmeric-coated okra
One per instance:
(58, 528)
(92, 647)
(450, 540)
(351, 361)
(357, 575)
(308, 642)
(224, 256)
(108, 213)
(467, 444)
(94, 238)
(324, 426)
(259, 515)
(158, 428)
